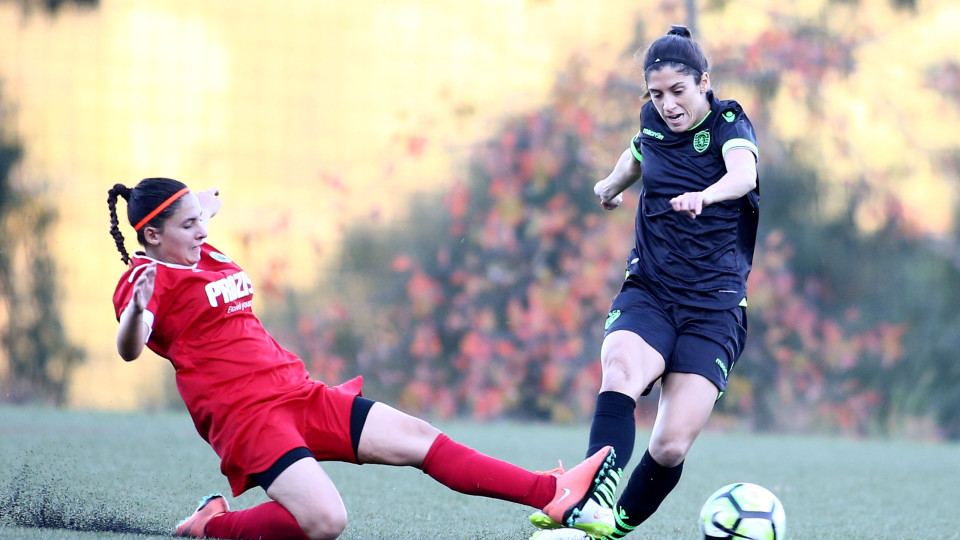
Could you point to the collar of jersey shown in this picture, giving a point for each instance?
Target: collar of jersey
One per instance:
(701, 120)
(143, 255)
(712, 100)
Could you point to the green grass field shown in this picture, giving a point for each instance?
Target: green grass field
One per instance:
(92, 475)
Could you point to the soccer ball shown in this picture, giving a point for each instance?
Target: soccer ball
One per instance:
(743, 511)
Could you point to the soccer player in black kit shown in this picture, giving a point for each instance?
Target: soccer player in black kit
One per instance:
(680, 316)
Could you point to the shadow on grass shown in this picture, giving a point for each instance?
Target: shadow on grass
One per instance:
(36, 500)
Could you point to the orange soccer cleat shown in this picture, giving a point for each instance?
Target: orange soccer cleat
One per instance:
(196, 525)
(575, 488)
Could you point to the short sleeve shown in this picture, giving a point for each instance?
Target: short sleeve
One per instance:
(635, 147)
(734, 130)
(124, 293)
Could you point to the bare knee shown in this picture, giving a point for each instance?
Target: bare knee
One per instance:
(324, 524)
(629, 364)
(621, 374)
(669, 452)
(305, 490)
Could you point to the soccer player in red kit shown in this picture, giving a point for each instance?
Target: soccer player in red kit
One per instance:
(257, 406)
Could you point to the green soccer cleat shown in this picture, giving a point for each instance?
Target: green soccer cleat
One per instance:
(594, 521)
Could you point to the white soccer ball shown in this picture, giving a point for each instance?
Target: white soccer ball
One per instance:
(743, 511)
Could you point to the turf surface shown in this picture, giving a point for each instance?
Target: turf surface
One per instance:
(89, 475)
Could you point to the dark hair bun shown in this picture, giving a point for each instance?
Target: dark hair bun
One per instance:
(679, 30)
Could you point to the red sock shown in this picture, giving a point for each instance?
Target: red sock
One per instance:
(463, 469)
(267, 521)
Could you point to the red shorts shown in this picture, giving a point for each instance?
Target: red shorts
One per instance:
(316, 416)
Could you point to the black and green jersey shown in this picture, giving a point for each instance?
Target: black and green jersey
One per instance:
(700, 262)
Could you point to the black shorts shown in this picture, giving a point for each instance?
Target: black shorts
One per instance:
(691, 339)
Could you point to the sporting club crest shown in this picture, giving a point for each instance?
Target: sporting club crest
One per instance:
(701, 141)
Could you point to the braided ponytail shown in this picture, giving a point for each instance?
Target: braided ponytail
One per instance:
(112, 194)
(143, 201)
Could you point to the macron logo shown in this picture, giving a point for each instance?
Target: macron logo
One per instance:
(229, 289)
(652, 133)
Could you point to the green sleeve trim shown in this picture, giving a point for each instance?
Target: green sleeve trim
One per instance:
(739, 143)
(636, 153)
(743, 303)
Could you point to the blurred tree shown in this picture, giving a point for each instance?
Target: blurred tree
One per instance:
(489, 299)
(39, 357)
(872, 284)
(52, 7)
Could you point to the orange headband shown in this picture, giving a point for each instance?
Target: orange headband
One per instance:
(160, 208)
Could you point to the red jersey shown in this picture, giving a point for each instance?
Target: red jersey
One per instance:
(232, 375)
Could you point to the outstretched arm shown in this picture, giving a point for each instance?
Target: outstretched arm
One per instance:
(740, 179)
(625, 173)
(133, 332)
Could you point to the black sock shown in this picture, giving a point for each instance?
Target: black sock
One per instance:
(614, 425)
(649, 485)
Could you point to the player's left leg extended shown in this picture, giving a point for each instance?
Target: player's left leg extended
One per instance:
(686, 401)
(392, 437)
